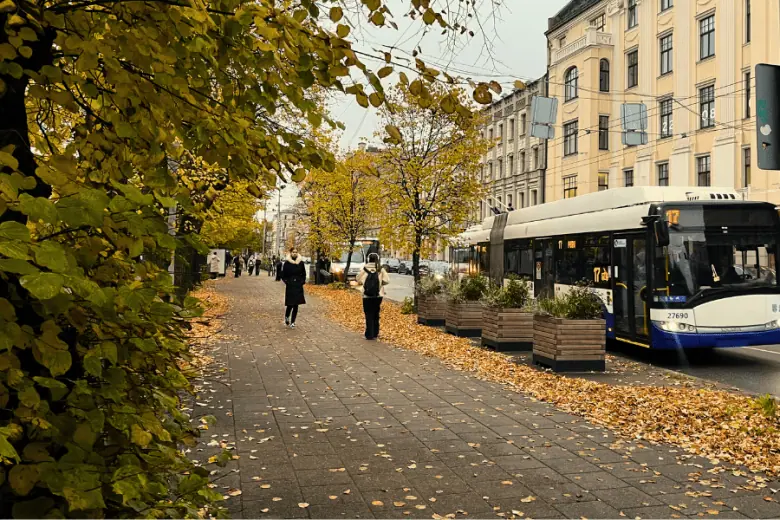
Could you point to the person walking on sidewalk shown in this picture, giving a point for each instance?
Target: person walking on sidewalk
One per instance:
(272, 266)
(258, 261)
(372, 279)
(278, 268)
(238, 265)
(293, 274)
(250, 265)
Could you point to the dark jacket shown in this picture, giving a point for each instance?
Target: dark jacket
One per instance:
(278, 267)
(294, 277)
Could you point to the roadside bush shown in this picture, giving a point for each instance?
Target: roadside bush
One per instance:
(579, 303)
(407, 307)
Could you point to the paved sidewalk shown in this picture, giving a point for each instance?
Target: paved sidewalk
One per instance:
(328, 425)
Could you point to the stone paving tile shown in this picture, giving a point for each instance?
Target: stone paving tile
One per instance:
(402, 436)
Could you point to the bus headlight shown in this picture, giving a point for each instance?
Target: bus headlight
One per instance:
(675, 326)
(772, 325)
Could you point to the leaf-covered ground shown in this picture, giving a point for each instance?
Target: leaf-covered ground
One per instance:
(205, 329)
(726, 427)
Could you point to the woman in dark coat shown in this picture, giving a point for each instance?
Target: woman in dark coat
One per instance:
(294, 277)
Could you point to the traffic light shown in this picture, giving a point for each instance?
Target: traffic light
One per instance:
(768, 116)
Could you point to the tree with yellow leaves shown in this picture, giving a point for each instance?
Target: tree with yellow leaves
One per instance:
(429, 170)
(344, 203)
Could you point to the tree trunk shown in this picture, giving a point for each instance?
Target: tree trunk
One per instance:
(416, 262)
(349, 260)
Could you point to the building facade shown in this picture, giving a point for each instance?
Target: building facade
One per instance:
(513, 168)
(284, 230)
(691, 63)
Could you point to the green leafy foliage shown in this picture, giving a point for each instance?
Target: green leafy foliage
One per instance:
(767, 405)
(407, 306)
(579, 303)
(470, 289)
(431, 285)
(515, 294)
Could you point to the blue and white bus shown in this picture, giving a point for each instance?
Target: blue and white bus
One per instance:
(674, 267)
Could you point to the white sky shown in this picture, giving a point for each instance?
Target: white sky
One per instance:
(517, 50)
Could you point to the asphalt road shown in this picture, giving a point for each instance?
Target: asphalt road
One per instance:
(752, 369)
(401, 286)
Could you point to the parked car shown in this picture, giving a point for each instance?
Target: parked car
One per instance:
(404, 268)
(391, 265)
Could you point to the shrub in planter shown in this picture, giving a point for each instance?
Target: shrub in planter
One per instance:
(569, 331)
(507, 319)
(431, 301)
(464, 309)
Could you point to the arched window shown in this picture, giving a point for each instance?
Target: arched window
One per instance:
(570, 84)
(604, 75)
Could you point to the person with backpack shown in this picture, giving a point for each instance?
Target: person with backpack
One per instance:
(372, 280)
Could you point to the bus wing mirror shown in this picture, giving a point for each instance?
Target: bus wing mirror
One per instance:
(661, 229)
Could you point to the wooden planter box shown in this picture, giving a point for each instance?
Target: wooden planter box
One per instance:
(569, 345)
(507, 329)
(431, 310)
(464, 319)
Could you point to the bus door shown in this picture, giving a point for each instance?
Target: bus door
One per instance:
(544, 276)
(629, 289)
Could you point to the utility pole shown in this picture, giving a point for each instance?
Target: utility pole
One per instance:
(265, 225)
(278, 216)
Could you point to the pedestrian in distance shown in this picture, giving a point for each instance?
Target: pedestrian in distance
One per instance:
(272, 266)
(214, 265)
(250, 265)
(372, 280)
(279, 265)
(238, 265)
(293, 274)
(257, 265)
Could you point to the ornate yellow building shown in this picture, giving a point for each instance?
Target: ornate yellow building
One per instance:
(691, 62)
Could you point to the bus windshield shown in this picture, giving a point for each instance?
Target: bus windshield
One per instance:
(715, 249)
(357, 256)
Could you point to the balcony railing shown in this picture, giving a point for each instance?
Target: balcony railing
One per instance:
(591, 38)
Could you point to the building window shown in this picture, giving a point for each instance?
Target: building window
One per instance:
(490, 136)
(628, 175)
(603, 132)
(633, 69)
(490, 172)
(633, 18)
(509, 201)
(707, 37)
(603, 181)
(536, 158)
(703, 170)
(522, 162)
(666, 4)
(666, 54)
(707, 106)
(747, 21)
(570, 84)
(511, 165)
(521, 198)
(663, 174)
(747, 94)
(561, 42)
(600, 22)
(533, 197)
(667, 125)
(745, 167)
(500, 133)
(511, 129)
(604, 75)
(500, 168)
(570, 187)
(570, 138)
